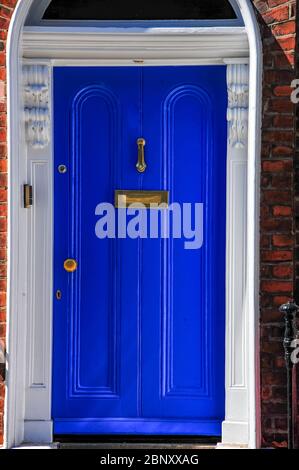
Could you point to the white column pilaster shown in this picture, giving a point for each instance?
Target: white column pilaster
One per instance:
(235, 426)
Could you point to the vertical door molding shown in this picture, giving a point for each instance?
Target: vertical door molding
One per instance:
(37, 122)
(235, 427)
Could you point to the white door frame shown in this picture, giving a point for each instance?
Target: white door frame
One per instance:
(29, 342)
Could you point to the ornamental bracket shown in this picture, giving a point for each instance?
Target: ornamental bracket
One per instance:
(36, 105)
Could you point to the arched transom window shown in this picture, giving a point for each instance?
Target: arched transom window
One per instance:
(107, 12)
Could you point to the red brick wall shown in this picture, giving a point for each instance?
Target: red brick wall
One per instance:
(277, 20)
(297, 225)
(278, 25)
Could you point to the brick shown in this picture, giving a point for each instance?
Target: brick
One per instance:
(3, 239)
(279, 444)
(3, 270)
(280, 150)
(5, 12)
(3, 109)
(282, 240)
(286, 43)
(3, 150)
(272, 332)
(269, 196)
(3, 180)
(292, 9)
(265, 241)
(275, 3)
(276, 165)
(3, 255)
(265, 211)
(3, 195)
(279, 392)
(275, 224)
(266, 272)
(284, 60)
(282, 180)
(272, 314)
(280, 362)
(265, 182)
(2, 299)
(279, 136)
(266, 392)
(289, 27)
(2, 73)
(282, 121)
(277, 77)
(11, 3)
(4, 23)
(3, 224)
(282, 211)
(279, 255)
(276, 286)
(282, 271)
(3, 166)
(274, 377)
(3, 210)
(279, 300)
(261, 5)
(276, 15)
(280, 106)
(272, 347)
(2, 329)
(266, 300)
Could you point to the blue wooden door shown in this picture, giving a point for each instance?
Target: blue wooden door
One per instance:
(139, 325)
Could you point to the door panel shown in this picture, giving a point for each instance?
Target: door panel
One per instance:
(139, 331)
(92, 139)
(184, 113)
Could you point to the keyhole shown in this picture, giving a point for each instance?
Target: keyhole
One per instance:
(62, 169)
(58, 294)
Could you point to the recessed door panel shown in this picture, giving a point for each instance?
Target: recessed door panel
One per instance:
(184, 311)
(94, 340)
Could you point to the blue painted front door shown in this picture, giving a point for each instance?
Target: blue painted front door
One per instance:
(139, 327)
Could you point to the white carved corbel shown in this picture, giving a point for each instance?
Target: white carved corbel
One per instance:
(36, 105)
(237, 113)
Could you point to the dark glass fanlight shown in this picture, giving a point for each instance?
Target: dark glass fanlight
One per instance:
(118, 10)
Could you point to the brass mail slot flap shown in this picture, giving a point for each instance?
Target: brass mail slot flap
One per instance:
(124, 199)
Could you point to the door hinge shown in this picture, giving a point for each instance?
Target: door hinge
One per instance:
(2, 361)
(27, 196)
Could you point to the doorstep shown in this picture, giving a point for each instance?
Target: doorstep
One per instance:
(135, 446)
(36, 446)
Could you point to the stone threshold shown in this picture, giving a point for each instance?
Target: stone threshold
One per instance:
(117, 446)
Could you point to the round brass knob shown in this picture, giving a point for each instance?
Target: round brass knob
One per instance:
(70, 265)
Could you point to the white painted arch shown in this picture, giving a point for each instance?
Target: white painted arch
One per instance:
(15, 405)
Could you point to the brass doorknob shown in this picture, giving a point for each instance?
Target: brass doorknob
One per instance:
(70, 265)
